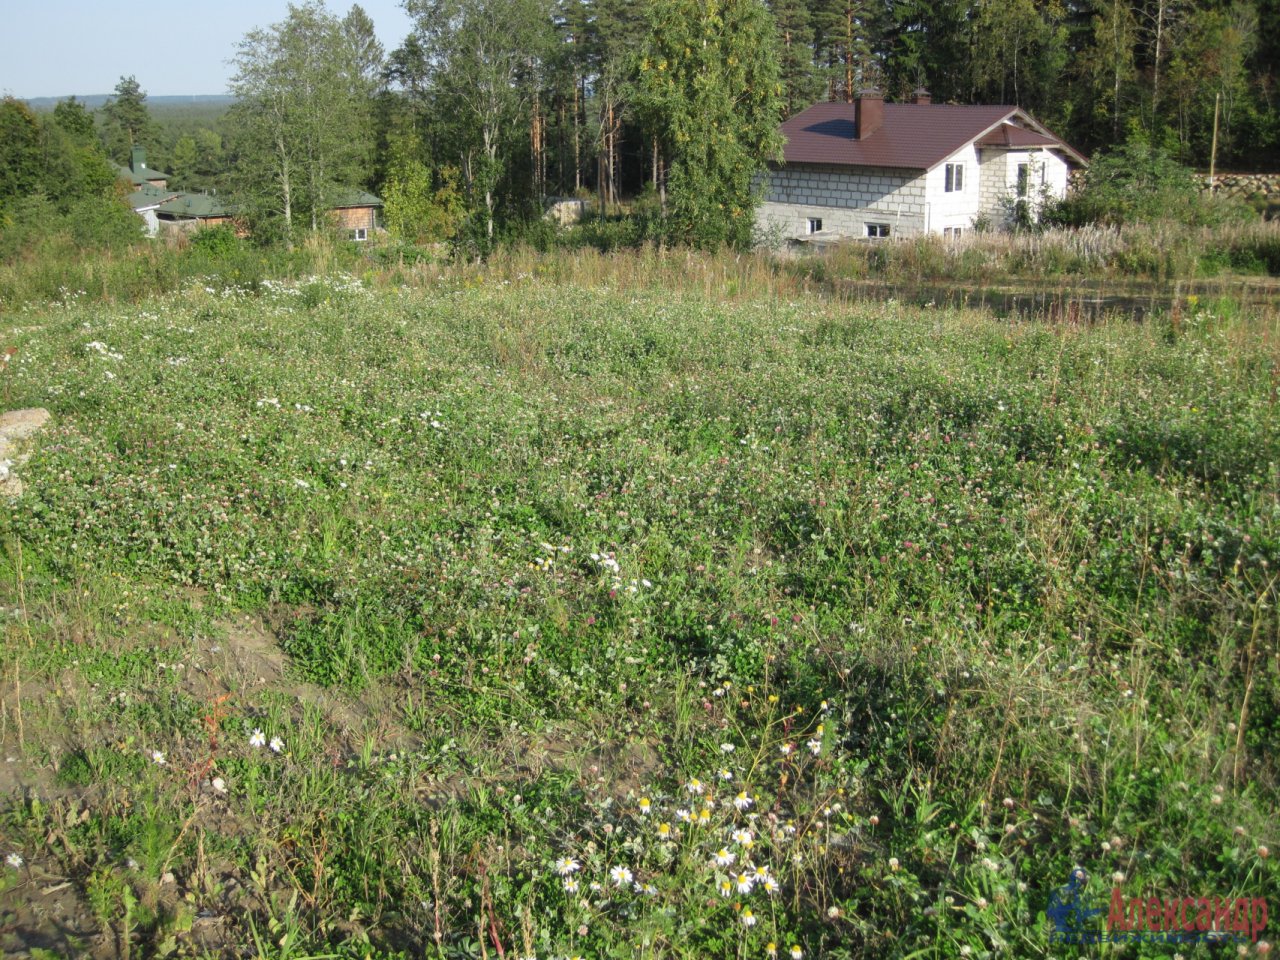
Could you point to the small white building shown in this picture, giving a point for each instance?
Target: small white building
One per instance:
(872, 169)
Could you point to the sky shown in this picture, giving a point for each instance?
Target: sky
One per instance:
(58, 48)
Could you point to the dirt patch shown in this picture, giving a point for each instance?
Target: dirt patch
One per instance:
(16, 428)
(45, 912)
(244, 659)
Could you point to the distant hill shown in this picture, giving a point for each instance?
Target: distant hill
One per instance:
(94, 100)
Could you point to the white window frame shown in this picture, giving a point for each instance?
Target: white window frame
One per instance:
(876, 231)
(813, 225)
(953, 178)
(359, 234)
(953, 232)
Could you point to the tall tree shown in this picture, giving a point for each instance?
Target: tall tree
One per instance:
(127, 122)
(300, 122)
(708, 87)
(481, 55)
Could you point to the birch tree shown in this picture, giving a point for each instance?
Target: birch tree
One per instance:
(301, 121)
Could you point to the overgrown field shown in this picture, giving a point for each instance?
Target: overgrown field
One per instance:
(515, 619)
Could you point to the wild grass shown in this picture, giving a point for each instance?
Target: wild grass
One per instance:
(1156, 251)
(654, 609)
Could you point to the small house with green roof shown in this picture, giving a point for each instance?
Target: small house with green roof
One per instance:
(357, 213)
(139, 174)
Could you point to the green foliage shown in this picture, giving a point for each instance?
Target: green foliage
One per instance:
(420, 207)
(708, 88)
(126, 121)
(1140, 183)
(301, 120)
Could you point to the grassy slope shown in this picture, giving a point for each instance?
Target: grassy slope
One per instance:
(535, 552)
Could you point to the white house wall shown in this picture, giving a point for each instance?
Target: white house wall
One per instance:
(845, 199)
(959, 207)
(1000, 178)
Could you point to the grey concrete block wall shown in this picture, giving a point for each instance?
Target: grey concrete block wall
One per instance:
(845, 199)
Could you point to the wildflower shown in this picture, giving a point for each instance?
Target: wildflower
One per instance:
(645, 806)
(1263, 852)
(748, 918)
(893, 864)
(742, 801)
(770, 885)
(761, 872)
(725, 774)
(743, 838)
(726, 748)
(14, 860)
(664, 830)
(1117, 877)
(796, 952)
(786, 749)
(570, 884)
(771, 949)
(726, 888)
(695, 786)
(745, 882)
(833, 913)
(815, 746)
(724, 858)
(620, 875)
(981, 903)
(705, 814)
(684, 816)
(648, 889)
(1008, 803)
(157, 757)
(257, 739)
(276, 745)
(567, 865)
(219, 785)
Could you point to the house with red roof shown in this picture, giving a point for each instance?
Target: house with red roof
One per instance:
(871, 169)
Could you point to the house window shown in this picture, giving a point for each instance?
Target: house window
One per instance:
(955, 178)
(952, 232)
(815, 225)
(1024, 180)
(877, 230)
(360, 233)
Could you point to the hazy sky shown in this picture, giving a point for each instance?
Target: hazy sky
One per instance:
(55, 48)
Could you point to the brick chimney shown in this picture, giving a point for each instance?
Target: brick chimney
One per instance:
(868, 112)
(138, 161)
(921, 96)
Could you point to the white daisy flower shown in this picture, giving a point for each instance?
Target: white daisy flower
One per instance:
(257, 739)
(276, 745)
(745, 882)
(14, 860)
(645, 805)
(743, 838)
(695, 786)
(748, 918)
(815, 747)
(726, 774)
(726, 748)
(570, 884)
(620, 875)
(742, 801)
(567, 865)
(157, 757)
(724, 858)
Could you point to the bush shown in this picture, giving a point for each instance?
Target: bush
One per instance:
(1139, 183)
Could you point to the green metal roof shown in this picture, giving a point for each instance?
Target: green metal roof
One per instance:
(355, 198)
(149, 196)
(194, 206)
(137, 179)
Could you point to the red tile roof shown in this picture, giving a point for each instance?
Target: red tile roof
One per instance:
(912, 136)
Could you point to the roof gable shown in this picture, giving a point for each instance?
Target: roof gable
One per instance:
(912, 136)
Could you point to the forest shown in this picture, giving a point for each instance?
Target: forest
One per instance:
(490, 107)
